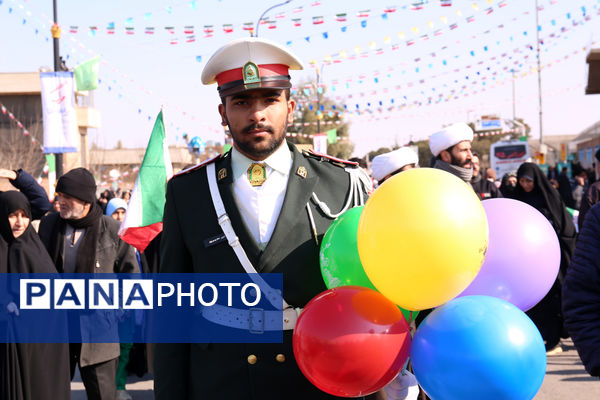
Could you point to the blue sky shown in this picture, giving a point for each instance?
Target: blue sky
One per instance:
(413, 71)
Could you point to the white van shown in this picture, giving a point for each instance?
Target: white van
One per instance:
(507, 155)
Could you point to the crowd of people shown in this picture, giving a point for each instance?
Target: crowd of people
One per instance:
(276, 203)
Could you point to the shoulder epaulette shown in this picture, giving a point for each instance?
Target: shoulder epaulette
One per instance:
(325, 157)
(195, 167)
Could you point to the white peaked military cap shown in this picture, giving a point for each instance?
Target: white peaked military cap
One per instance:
(250, 63)
(449, 136)
(385, 164)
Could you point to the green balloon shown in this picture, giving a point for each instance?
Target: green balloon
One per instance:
(339, 259)
(340, 263)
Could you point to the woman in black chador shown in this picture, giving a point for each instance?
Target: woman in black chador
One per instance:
(28, 371)
(535, 189)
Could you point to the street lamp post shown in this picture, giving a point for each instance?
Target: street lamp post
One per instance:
(57, 67)
(265, 12)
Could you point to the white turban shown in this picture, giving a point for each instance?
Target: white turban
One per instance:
(385, 164)
(449, 136)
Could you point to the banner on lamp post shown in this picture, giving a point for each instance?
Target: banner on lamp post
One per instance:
(58, 107)
(320, 143)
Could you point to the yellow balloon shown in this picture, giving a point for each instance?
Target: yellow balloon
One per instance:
(422, 238)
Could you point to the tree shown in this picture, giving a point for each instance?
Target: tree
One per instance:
(20, 147)
(374, 153)
(313, 106)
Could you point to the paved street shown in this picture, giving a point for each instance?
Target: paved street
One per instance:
(565, 379)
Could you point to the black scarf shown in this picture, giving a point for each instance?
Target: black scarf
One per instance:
(507, 190)
(25, 254)
(547, 200)
(86, 253)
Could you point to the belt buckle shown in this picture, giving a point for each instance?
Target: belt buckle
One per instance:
(290, 316)
(256, 325)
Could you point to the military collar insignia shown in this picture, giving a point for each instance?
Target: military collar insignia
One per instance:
(301, 172)
(222, 174)
(250, 73)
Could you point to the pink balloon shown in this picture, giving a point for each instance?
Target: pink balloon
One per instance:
(523, 255)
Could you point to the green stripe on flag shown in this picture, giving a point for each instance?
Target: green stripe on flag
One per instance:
(153, 175)
(51, 161)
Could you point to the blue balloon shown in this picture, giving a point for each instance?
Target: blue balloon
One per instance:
(478, 347)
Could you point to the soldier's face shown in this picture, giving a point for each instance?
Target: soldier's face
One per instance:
(257, 120)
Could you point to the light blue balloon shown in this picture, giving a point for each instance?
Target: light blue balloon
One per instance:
(478, 347)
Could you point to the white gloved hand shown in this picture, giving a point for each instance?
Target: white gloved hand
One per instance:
(12, 308)
(403, 387)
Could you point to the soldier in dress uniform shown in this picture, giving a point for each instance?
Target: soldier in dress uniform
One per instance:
(280, 203)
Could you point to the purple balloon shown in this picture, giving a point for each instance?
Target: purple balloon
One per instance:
(523, 255)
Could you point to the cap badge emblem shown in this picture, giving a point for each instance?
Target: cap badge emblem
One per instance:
(250, 73)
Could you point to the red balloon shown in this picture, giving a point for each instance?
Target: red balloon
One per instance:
(351, 341)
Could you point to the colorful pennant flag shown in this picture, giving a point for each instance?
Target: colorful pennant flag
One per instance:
(86, 74)
(341, 17)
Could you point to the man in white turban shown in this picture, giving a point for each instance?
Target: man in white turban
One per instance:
(452, 149)
(389, 164)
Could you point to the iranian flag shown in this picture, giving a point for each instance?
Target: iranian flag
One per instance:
(143, 220)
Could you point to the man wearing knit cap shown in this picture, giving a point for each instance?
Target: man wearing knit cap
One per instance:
(80, 239)
(263, 206)
(389, 164)
(451, 148)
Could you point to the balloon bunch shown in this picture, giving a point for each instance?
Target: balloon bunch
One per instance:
(424, 240)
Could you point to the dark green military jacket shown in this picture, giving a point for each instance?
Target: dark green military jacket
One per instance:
(223, 371)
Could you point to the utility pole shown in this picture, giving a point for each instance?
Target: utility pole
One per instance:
(514, 101)
(539, 71)
(57, 67)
